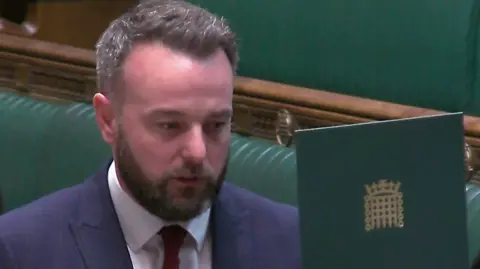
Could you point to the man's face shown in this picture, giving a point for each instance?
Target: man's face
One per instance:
(172, 130)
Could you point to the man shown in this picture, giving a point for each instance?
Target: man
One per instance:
(165, 71)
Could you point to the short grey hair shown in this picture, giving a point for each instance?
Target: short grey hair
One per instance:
(177, 24)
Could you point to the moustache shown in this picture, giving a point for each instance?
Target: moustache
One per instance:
(202, 172)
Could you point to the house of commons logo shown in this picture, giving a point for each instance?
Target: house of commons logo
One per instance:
(383, 203)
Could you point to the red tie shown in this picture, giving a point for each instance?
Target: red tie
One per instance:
(173, 237)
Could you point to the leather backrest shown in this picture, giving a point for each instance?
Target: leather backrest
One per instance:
(23, 125)
(415, 52)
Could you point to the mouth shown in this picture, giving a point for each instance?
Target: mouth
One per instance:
(188, 180)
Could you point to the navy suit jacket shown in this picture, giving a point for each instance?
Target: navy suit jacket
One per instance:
(78, 228)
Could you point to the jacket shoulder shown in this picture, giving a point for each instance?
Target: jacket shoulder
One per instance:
(54, 207)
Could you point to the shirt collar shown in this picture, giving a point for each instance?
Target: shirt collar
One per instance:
(139, 225)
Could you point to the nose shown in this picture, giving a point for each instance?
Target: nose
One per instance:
(195, 147)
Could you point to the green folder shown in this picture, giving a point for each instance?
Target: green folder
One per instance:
(383, 195)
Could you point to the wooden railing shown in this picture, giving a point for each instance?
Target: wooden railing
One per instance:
(263, 109)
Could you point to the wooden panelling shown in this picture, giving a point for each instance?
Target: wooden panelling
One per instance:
(77, 23)
(66, 73)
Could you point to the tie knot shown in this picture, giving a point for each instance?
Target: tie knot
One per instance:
(173, 237)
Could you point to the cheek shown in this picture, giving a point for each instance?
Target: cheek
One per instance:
(218, 154)
(150, 153)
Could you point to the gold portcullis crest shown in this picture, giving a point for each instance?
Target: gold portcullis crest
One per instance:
(383, 202)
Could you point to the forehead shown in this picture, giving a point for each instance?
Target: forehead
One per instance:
(156, 76)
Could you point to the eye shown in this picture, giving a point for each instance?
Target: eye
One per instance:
(219, 124)
(215, 126)
(168, 125)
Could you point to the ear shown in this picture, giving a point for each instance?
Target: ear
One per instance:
(105, 117)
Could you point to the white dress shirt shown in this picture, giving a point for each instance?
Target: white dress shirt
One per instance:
(140, 230)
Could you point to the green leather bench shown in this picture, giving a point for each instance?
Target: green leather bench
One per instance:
(45, 147)
(416, 52)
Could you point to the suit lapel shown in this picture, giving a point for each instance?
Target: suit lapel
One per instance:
(232, 242)
(96, 227)
(102, 244)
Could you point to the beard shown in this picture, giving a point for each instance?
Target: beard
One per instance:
(154, 194)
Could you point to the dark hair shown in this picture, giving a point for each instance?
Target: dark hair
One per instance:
(176, 24)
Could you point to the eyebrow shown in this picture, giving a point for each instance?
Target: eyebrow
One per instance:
(172, 113)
